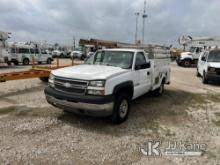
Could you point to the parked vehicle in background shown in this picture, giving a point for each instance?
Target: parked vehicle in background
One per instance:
(209, 66)
(24, 53)
(186, 59)
(78, 54)
(5, 56)
(59, 54)
(108, 81)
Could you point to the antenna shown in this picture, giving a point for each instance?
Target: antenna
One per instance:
(136, 30)
(144, 17)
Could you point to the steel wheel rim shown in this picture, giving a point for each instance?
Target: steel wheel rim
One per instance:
(123, 108)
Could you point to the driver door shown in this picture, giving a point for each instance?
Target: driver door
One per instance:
(143, 75)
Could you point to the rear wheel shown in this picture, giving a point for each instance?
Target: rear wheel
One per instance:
(49, 61)
(121, 109)
(26, 61)
(159, 91)
(9, 63)
(15, 62)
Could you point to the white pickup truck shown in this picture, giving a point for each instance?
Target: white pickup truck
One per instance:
(209, 65)
(106, 83)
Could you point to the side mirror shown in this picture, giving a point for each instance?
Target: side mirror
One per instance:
(203, 59)
(143, 66)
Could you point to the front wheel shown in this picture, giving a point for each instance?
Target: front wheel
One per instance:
(121, 109)
(204, 79)
(197, 73)
(187, 63)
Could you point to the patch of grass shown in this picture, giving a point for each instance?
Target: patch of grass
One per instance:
(7, 110)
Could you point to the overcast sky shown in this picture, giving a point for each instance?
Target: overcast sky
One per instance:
(60, 20)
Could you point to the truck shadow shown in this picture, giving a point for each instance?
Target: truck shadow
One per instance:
(147, 113)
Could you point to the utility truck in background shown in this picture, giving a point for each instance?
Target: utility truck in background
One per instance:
(108, 80)
(25, 53)
(197, 45)
(5, 57)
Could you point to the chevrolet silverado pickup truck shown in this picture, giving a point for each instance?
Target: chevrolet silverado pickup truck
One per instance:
(107, 82)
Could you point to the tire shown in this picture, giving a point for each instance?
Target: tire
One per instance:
(121, 109)
(159, 91)
(9, 63)
(15, 62)
(62, 56)
(49, 61)
(197, 73)
(26, 61)
(44, 79)
(82, 57)
(204, 78)
(187, 63)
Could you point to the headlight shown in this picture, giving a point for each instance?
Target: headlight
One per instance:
(97, 83)
(51, 80)
(212, 69)
(96, 87)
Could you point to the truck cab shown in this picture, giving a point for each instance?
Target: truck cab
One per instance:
(186, 59)
(209, 66)
(106, 83)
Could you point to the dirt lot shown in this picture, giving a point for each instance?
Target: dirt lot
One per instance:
(33, 132)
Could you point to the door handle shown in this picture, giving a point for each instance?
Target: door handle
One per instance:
(148, 73)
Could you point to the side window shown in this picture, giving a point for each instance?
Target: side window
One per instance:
(140, 60)
(204, 56)
(98, 58)
(23, 50)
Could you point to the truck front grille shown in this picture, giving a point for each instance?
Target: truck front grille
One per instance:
(70, 85)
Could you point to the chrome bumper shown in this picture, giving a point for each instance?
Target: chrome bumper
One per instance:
(82, 108)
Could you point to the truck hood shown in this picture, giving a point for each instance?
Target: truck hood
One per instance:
(89, 72)
(186, 55)
(214, 64)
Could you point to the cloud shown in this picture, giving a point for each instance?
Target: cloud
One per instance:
(59, 21)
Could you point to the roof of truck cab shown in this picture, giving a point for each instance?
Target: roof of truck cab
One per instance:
(124, 50)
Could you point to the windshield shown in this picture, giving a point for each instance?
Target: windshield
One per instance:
(112, 58)
(214, 56)
(192, 49)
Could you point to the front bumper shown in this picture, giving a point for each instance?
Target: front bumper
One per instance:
(99, 106)
(213, 77)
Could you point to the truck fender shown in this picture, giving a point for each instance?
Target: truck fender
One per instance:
(124, 85)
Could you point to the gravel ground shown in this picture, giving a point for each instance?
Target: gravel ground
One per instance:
(33, 132)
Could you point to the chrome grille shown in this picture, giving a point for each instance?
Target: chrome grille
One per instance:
(70, 85)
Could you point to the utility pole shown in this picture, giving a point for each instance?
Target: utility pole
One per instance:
(136, 30)
(144, 16)
(74, 43)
